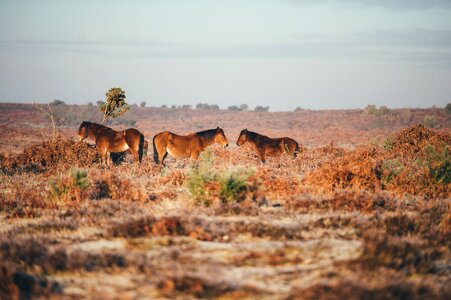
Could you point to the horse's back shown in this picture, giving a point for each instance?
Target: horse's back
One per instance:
(178, 146)
(278, 146)
(161, 139)
(133, 137)
(185, 141)
(132, 131)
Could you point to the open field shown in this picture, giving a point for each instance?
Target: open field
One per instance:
(364, 212)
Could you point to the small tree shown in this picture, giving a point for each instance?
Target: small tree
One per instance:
(55, 113)
(100, 103)
(448, 109)
(201, 106)
(260, 108)
(430, 121)
(143, 104)
(233, 108)
(244, 107)
(371, 109)
(383, 110)
(406, 116)
(57, 102)
(115, 104)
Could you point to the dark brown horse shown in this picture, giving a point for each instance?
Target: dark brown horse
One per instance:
(183, 146)
(266, 146)
(108, 140)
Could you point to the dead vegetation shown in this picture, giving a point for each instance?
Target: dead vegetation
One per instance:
(50, 155)
(368, 220)
(415, 161)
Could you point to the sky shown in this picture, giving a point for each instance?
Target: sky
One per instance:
(313, 54)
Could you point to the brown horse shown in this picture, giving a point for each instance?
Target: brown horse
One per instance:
(119, 157)
(108, 140)
(266, 146)
(183, 146)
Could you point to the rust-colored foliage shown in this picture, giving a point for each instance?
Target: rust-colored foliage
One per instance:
(149, 227)
(410, 142)
(198, 287)
(25, 202)
(356, 169)
(350, 290)
(399, 168)
(110, 185)
(356, 215)
(175, 177)
(49, 155)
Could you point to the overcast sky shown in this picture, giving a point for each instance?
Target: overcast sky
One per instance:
(278, 53)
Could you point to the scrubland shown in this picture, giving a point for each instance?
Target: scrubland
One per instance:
(362, 213)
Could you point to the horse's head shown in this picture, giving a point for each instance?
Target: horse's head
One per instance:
(83, 131)
(242, 138)
(220, 137)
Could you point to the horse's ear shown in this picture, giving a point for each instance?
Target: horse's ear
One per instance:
(217, 128)
(245, 129)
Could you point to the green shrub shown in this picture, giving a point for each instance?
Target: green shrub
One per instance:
(406, 116)
(205, 184)
(371, 109)
(430, 121)
(388, 144)
(234, 185)
(448, 109)
(201, 173)
(383, 110)
(438, 163)
(69, 186)
(391, 168)
(80, 178)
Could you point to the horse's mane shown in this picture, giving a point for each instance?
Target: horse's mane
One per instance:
(94, 126)
(207, 134)
(253, 135)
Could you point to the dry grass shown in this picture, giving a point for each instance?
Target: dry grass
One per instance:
(350, 218)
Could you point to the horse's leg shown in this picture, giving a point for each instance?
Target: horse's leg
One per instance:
(135, 154)
(107, 157)
(135, 151)
(195, 155)
(102, 153)
(162, 150)
(164, 156)
(262, 155)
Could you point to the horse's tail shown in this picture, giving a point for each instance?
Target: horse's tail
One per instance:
(141, 146)
(297, 150)
(155, 151)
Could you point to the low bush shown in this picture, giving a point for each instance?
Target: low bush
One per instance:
(206, 184)
(69, 186)
(439, 164)
(430, 121)
(112, 186)
(373, 110)
(390, 169)
(448, 109)
(406, 116)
